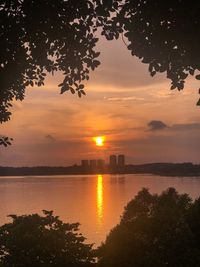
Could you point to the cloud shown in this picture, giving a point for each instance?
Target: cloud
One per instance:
(160, 125)
(155, 125)
(182, 147)
(125, 98)
(50, 138)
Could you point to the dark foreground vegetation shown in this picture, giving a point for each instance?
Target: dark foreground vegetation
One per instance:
(154, 231)
(34, 241)
(162, 169)
(40, 37)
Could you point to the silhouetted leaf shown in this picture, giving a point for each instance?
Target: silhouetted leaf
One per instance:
(79, 93)
(153, 73)
(83, 92)
(173, 87)
(72, 90)
(81, 86)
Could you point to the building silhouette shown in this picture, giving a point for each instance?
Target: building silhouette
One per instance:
(116, 163)
(93, 163)
(84, 163)
(121, 160)
(113, 161)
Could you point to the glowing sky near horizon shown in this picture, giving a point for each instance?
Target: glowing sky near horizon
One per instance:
(122, 99)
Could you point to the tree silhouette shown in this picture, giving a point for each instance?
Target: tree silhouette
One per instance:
(5, 141)
(164, 35)
(44, 36)
(34, 241)
(155, 230)
(39, 37)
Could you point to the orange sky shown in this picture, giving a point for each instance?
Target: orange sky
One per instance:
(122, 98)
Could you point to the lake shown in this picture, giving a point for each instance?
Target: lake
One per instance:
(96, 201)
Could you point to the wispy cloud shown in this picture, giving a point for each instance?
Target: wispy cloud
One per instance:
(160, 125)
(125, 98)
(186, 126)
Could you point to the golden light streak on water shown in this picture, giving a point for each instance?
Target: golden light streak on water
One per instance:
(99, 199)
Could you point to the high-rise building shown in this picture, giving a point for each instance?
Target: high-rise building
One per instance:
(121, 161)
(84, 163)
(113, 161)
(93, 163)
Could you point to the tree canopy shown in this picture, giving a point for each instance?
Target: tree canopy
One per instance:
(155, 230)
(34, 241)
(40, 37)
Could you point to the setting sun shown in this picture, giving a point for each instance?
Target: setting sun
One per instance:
(99, 140)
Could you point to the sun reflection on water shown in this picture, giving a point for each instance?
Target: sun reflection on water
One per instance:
(99, 199)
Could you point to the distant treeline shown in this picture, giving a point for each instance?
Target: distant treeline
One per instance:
(162, 169)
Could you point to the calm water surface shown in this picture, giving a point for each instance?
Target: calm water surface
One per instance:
(96, 201)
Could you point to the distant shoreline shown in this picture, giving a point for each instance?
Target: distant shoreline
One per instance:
(161, 169)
